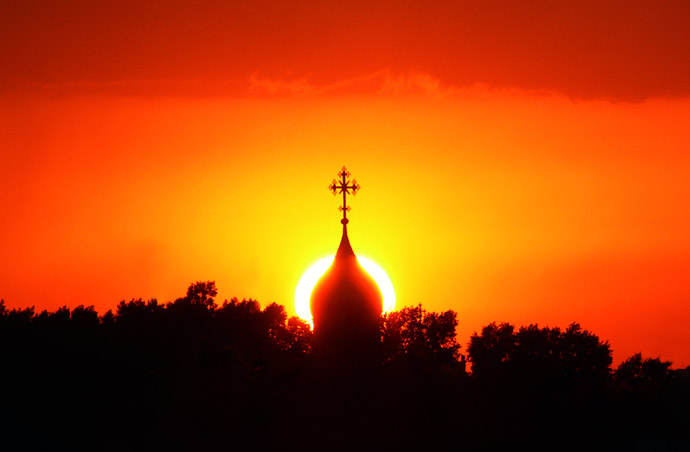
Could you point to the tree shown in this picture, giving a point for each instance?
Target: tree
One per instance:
(84, 317)
(196, 309)
(491, 351)
(137, 311)
(300, 334)
(415, 335)
(582, 355)
(202, 293)
(539, 354)
(636, 371)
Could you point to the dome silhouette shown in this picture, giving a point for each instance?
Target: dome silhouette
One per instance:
(346, 303)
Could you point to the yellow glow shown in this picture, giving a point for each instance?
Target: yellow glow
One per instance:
(311, 277)
(306, 285)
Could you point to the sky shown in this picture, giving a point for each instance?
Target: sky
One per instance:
(521, 162)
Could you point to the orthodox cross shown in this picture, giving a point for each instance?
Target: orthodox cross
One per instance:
(344, 186)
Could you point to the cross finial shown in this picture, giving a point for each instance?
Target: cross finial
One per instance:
(344, 186)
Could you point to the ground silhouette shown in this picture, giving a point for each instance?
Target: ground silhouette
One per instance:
(195, 374)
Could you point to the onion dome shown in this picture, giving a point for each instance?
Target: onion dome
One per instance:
(346, 302)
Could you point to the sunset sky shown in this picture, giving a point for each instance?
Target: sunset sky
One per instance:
(526, 162)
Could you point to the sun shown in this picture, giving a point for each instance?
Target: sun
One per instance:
(311, 277)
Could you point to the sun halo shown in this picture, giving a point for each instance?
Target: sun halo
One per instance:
(311, 277)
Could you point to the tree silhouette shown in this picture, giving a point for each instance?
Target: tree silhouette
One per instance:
(636, 371)
(491, 352)
(299, 338)
(138, 310)
(202, 293)
(539, 354)
(417, 336)
(195, 374)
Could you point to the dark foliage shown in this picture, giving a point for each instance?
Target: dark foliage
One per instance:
(636, 371)
(161, 373)
(539, 355)
(562, 379)
(420, 338)
(192, 374)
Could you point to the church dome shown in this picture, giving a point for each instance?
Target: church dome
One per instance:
(346, 301)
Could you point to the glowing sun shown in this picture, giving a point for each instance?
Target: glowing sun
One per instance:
(311, 277)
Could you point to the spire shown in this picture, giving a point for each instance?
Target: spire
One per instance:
(345, 249)
(346, 302)
(344, 186)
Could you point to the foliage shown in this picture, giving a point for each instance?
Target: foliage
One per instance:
(217, 374)
(539, 354)
(202, 293)
(636, 371)
(415, 335)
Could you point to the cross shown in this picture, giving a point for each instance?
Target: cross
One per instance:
(344, 186)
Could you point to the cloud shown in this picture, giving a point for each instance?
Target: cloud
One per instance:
(259, 85)
(382, 82)
(379, 83)
(584, 49)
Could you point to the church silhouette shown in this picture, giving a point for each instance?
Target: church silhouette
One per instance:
(346, 304)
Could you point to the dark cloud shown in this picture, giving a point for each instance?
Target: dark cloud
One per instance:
(612, 49)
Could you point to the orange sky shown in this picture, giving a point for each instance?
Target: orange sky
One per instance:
(518, 164)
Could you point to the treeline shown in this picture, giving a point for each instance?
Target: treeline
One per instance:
(192, 373)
